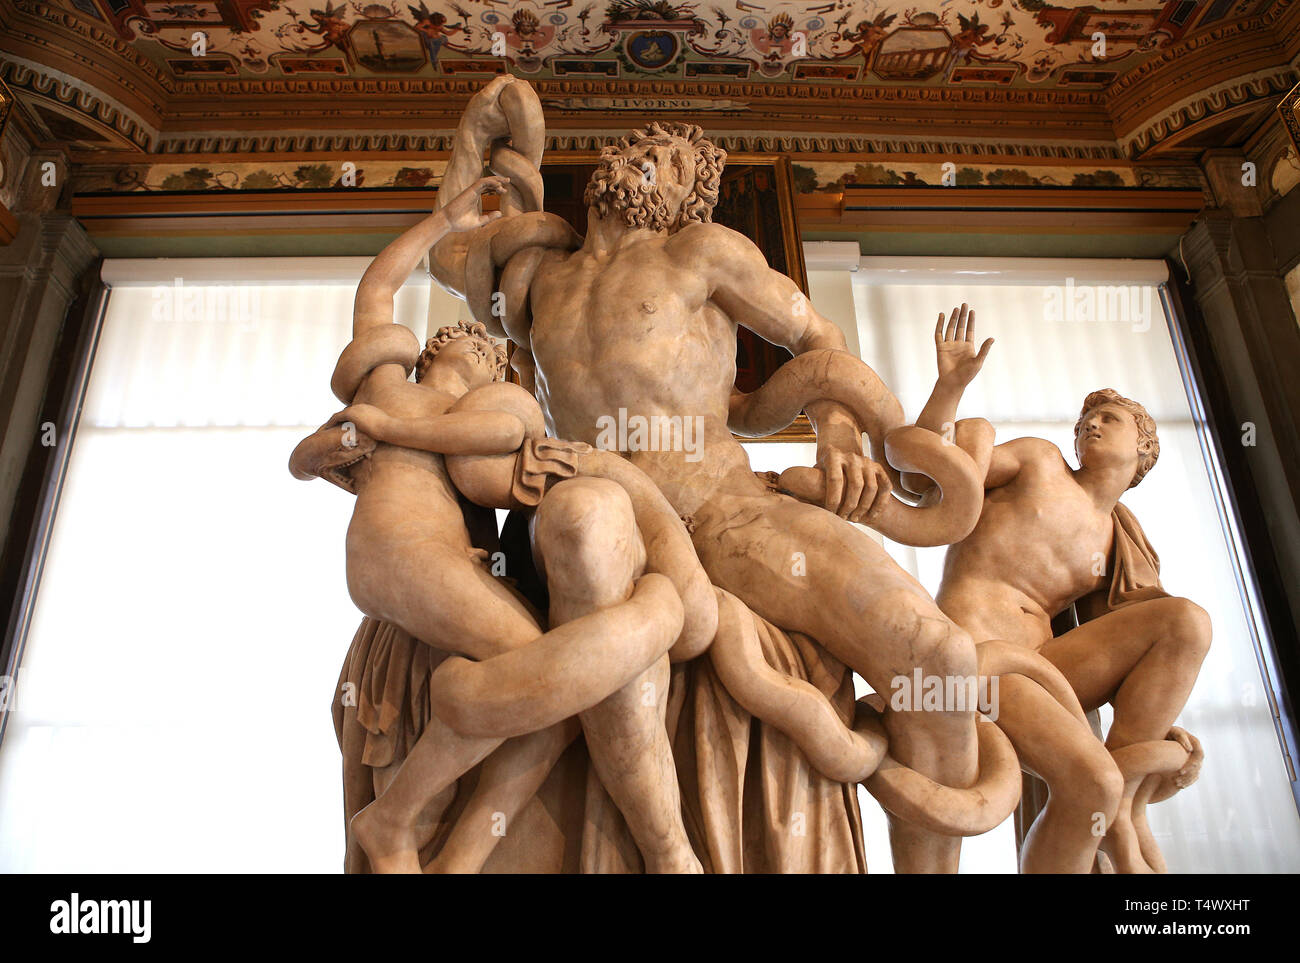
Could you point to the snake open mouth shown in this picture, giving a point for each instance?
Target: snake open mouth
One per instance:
(323, 454)
(341, 474)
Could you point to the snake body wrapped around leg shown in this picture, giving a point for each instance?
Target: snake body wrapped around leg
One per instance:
(859, 753)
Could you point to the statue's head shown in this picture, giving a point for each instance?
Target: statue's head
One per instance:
(1114, 430)
(469, 348)
(663, 176)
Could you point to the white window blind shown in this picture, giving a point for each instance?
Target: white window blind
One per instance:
(1240, 817)
(173, 707)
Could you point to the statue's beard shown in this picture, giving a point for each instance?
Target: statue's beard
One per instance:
(638, 204)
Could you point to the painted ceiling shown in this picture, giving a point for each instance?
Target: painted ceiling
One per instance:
(1004, 43)
(1107, 82)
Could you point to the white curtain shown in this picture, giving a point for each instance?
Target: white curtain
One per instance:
(173, 709)
(1240, 816)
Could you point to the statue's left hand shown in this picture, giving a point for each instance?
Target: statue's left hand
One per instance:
(857, 488)
(954, 346)
(464, 212)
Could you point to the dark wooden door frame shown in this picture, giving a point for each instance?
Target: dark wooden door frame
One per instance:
(22, 559)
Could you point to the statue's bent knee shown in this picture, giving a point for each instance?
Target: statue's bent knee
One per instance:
(586, 536)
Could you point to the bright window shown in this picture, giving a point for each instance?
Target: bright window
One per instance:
(173, 710)
(1050, 351)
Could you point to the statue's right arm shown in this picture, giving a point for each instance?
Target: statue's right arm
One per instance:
(387, 272)
(459, 433)
(372, 311)
(452, 433)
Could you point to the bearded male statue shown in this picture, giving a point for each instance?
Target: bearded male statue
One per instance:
(639, 318)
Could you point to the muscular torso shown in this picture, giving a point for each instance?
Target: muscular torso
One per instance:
(631, 329)
(635, 329)
(1040, 544)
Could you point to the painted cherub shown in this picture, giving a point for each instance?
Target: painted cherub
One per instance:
(411, 562)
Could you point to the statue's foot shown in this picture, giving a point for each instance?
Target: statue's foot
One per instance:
(391, 847)
(1190, 771)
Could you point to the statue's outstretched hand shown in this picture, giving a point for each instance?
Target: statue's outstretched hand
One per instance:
(955, 346)
(464, 211)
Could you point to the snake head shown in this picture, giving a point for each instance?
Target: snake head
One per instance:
(331, 453)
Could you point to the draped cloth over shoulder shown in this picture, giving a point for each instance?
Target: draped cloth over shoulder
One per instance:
(1134, 570)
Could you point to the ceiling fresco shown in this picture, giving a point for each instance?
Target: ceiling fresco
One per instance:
(1003, 43)
(259, 94)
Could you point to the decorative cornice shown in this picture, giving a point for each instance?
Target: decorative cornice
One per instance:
(56, 25)
(122, 87)
(453, 92)
(1263, 85)
(1237, 48)
(49, 84)
(792, 142)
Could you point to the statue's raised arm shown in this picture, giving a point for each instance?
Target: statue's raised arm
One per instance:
(492, 268)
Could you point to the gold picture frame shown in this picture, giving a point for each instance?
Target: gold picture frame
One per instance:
(6, 105)
(1289, 108)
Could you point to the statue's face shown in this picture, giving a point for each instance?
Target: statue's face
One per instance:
(470, 358)
(646, 184)
(667, 163)
(1108, 437)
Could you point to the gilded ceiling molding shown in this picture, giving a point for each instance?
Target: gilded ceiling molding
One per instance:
(1263, 85)
(55, 24)
(454, 92)
(1242, 47)
(44, 83)
(826, 145)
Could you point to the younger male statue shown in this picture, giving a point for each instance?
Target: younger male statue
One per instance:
(1050, 536)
